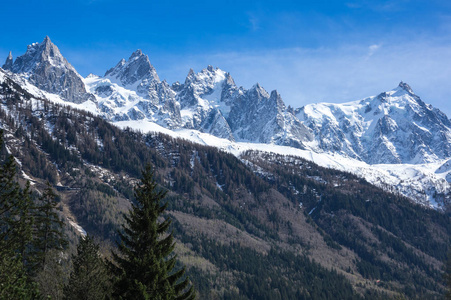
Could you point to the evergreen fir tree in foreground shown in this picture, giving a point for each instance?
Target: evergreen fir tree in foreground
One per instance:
(15, 232)
(49, 229)
(48, 257)
(145, 262)
(89, 279)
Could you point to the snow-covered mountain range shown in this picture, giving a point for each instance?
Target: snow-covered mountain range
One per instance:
(393, 139)
(392, 127)
(208, 101)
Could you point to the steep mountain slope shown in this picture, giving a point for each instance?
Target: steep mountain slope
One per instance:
(391, 128)
(259, 117)
(44, 66)
(379, 227)
(254, 224)
(132, 90)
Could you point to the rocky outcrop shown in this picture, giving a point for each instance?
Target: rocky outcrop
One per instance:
(9, 62)
(46, 68)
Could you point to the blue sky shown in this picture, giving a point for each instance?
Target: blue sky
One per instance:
(310, 51)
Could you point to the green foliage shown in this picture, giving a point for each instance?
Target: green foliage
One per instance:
(97, 212)
(447, 276)
(89, 279)
(47, 261)
(15, 233)
(14, 282)
(145, 263)
(277, 274)
(49, 234)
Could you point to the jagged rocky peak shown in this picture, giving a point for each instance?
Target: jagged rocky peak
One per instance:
(400, 97)
(177, 86)
(208, 84)
(190, 77)
(213, 74)
(206, 77)
(275, 96)
(9, 62)
(258, 92)
(137, 70)
(229, 79)
(137, 54)
(258, 87)
(91, 75)
(230, 91)
(46, 68)
(406, 87)
(40, 53)
(261, 117)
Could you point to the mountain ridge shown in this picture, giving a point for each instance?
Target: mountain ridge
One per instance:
(211, 102)
(394, 127)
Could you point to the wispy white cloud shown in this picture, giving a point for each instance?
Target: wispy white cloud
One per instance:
(372, 49)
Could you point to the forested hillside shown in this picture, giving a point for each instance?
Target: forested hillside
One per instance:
(260, 226)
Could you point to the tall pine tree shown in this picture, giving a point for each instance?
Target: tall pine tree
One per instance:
(49, 242)
(24, 224)
(49, 234)
(89, 279)
(15, 232)
(145, 264)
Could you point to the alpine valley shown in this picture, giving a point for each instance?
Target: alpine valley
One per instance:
(326, 201)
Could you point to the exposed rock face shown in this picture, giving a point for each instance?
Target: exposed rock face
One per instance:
(211, 102)
(393, 127)
(208, 101)
(260, 117)
(132, 90)
(137, 73)
(9, 62)
(201, 102)
(47, 69)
